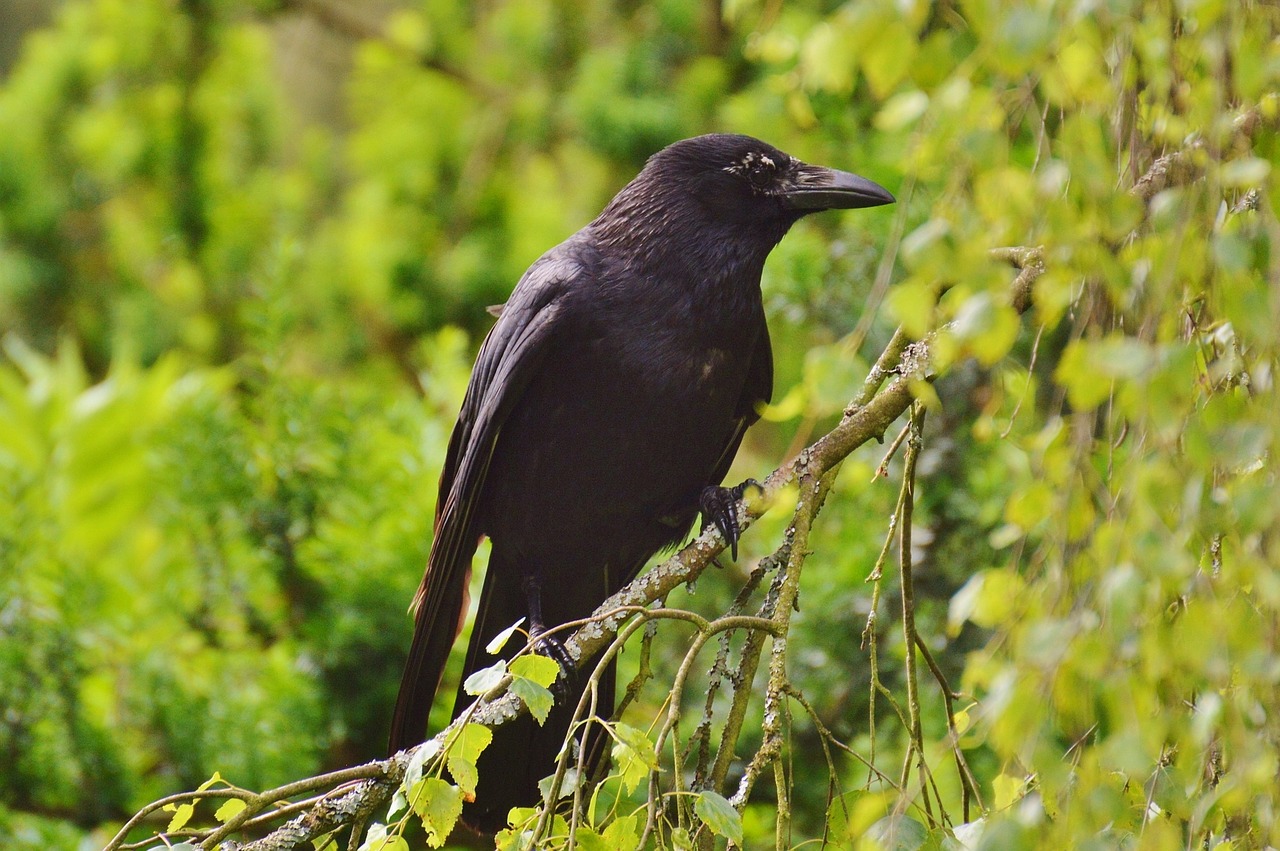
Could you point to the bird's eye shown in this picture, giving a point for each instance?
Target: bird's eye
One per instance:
(760, 172)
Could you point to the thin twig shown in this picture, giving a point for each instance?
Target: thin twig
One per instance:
(916, 744)
(968, 784)
(883, 470)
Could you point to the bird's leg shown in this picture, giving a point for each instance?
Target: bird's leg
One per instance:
(551, 645)
(719, 506)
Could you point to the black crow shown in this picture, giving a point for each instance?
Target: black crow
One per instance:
(605, 407)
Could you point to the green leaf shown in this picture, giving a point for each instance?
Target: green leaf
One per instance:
(567, 785)
(537, 698)
(216, 778)
(888, 56)
(521, 816)
(470, 741)
(485, 680)
(388, 842)
(1245, 173)
(633, 754)
(1030, 505)
(897, 833)
(374, 837)
(229, 809)
(399, 803)
(623, 834)
(1087, 367)
(852, 813)
(824, 60)
(465, 774)
(1008, 791)
(638, 741)
(500, 640)
(988, 599)
(588, 840)
(902, 110)
(542, 670)
(413, 771)
(986, 328)
(464, 749)
(681, 840)
(438, 804)
(181, 815)
(912, 304)
(520, 836)
(718, 814)
(790, 406)
(409, 30)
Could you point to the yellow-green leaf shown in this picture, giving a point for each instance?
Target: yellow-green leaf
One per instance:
(536, 697)
(542, 670)
(500, 640)
(386, 842)
(229, 809)
(718, 814)
(633, 754)
(470, 741)
(988, 599)
(485, 679)
(1245, 173)
(588, 840)
(438, 804)
(181, 815)
(1008, 790)
(623, 834)
(216, 778)
(464, 749)
(901, 110)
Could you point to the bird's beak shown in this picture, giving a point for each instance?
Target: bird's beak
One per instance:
(817, 188)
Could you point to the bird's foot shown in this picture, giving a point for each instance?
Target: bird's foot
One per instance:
(551, 645)
(719, 506)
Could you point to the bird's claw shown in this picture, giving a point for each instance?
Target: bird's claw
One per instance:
(552, 646)
(719, 506)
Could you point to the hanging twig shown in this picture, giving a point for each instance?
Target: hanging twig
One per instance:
(915, 746)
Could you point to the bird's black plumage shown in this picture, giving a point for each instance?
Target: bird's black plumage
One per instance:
(614, 388)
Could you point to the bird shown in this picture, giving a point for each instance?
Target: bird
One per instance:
(602, 414)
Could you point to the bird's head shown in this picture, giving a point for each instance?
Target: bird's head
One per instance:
(722, 201)
(741, 179)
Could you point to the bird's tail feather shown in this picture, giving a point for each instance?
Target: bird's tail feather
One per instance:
(440, 603)
(522, 751)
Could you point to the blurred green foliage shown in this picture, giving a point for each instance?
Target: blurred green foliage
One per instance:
(235, 337)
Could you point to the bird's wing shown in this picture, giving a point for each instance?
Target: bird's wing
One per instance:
(508, 358)
(756, 391)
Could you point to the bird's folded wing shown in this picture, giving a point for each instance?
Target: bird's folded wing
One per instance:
(756, 392)
(508, 358)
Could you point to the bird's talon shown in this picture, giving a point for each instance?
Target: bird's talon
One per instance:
(719, 506)
(552, 647)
